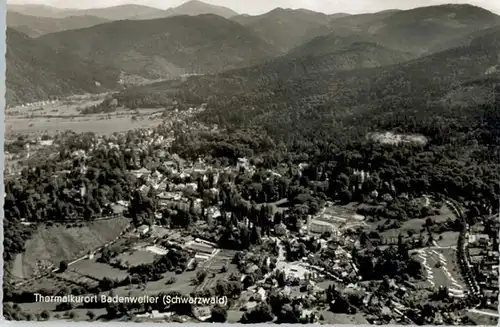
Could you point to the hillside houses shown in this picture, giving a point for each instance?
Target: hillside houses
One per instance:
(483, 248)
(141, 173)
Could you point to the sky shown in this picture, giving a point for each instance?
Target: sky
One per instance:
(255, 7)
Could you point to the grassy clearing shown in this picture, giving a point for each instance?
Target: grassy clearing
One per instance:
(234, 316)
(416, 225)
(65, 115)
(49, 283)
(482, 320)
(75, 277)
(98, 270)
(183, 284)
(343, 319)
(410, 226)
(97, 125)
(447, 239)
(51, 245)
(136, 257)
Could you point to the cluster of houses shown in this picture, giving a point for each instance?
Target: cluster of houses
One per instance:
(484, 257)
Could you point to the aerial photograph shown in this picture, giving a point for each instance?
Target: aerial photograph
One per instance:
(283, 161)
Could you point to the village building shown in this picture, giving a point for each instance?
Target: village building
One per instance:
(143, 229)
(201, 247)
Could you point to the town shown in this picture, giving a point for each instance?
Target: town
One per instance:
(255, 235)
(307, 162)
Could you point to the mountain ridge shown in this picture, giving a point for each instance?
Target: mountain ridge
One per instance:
(285, 28)
(165, 47)
(36, 72)
(125, 11)
(36, 26)
(416, 86)
(119, 12)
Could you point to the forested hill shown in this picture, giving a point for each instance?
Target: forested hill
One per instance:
(167, 47)
(292, 105)
(286, 28)
(35, 71)
(413, 89)
(421, 30)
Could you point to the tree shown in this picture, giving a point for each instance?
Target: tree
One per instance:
(63, 265)
(219, 314)
(260, 314)
(91, 315)
(201, 276)
(45, 315)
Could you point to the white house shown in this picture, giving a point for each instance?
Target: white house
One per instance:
(143, 229)
(201, 247)
(318, 226)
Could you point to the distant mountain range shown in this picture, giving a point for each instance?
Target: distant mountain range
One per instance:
(36, 26)
(110, 13)
(283, 42)
(121, 12)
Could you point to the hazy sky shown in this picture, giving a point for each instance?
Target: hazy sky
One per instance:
(261, 6)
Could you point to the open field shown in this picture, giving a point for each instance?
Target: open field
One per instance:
(98, 270)
(49, 283)
(482, 319)
(447, 239)
(78, 314)
(136, 257)
(98, 125)
(234, 316)
(343, 319)
(50, 245)
(75, 277)
(65, 115)
(183, 284)
(416, 225)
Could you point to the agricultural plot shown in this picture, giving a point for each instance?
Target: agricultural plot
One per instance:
(49, 245)
(98, 124)
(65, 115)
(97, 270)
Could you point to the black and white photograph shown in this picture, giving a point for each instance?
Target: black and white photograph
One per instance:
(252, 162)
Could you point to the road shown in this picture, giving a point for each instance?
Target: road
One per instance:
(462, 247)
(485, 313)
